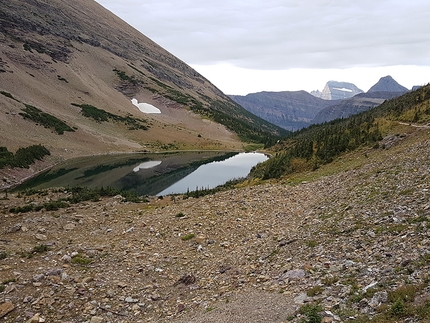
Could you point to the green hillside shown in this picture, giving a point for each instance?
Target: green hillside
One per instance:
(320, 144)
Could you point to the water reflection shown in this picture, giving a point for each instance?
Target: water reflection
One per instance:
(149, 174)
(216, 173)
(147, 165)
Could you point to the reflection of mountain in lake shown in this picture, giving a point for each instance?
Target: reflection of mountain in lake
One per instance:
(165, 177)
(154, 184)
(147, 174)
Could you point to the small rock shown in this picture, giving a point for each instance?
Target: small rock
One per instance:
(35, 319)
(69, 226)
(155, 297)
(295, 274)
(186, 279)
(66, 259)
(6, 308)
(38, 278)
(200, 238)
(14, 228)
(97, 319)
(131, 300)
(378, 298)
(28, 299)
(122, 285)
(54, 272)
(41, 237)
(301, 299)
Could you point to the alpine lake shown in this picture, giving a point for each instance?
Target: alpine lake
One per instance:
(149, 174)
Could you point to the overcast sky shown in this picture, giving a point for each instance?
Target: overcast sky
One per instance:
(249, 46)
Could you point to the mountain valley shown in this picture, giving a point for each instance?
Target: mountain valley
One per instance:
(334, 227)
(76, 66)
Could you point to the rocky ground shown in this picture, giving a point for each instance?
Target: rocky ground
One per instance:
(351, 240)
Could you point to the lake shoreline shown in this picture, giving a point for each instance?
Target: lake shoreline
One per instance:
(11, 178)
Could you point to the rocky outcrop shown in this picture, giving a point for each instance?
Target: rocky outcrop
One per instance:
(334, 90)
(387, 84)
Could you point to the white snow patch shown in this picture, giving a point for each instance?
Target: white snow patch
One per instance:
(342, 89)
(147, 165)
(145, 107)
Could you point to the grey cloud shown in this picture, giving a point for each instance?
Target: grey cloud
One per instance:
(285, 34)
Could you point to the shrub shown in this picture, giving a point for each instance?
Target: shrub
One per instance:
(45, 119)
(40, 248)
(398, 308)
(23, 157)
(316, 290)
(311, 313)
(188, 237)
(80, 260)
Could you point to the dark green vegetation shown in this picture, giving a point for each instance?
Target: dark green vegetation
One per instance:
(75, 195)
(101, 115)
(247, 126)
(23, 157)
(80, 260)
(236, 119)
(310, 311)
(320, 144)
(7, 94)
(208, 191)
(188, 237)
(401, 305)
(45, 119)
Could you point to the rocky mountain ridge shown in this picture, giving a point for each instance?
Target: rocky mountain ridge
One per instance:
(296, 110)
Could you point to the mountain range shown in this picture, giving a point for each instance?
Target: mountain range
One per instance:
(297, 110)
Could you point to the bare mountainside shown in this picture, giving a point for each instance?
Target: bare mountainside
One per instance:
(69, 70)
(291, 110)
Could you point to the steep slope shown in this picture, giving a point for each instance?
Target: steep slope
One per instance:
(290, 110)
(386, 88)
(359, 103)
(74, 65)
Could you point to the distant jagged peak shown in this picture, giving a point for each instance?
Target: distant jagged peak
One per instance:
(335, 90)
(387, 84)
